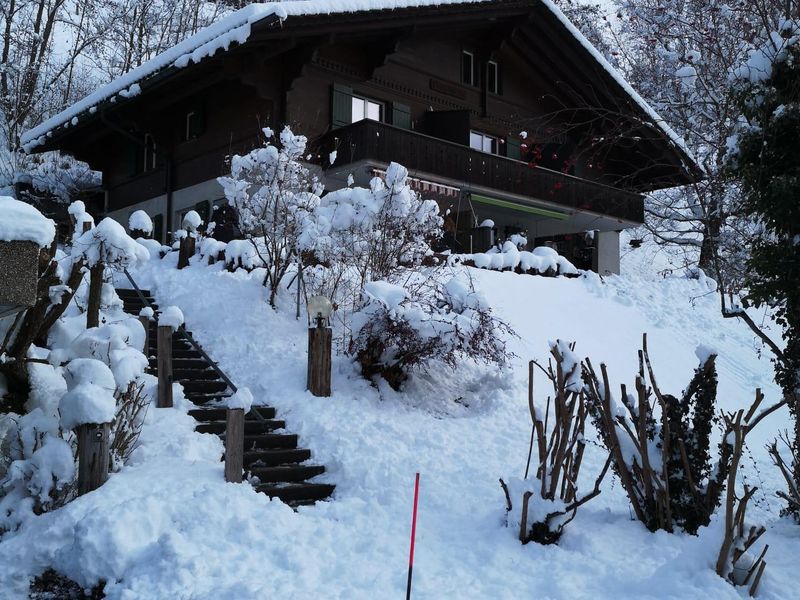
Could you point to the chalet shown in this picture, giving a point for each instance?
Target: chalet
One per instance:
(500, 109)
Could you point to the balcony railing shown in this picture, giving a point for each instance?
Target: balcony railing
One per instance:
(371, 140)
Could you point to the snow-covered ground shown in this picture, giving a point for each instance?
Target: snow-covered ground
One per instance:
(167, 526)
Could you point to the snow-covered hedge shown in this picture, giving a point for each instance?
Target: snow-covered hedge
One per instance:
(540, 261)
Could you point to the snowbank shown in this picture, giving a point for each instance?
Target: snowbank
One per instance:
(22, 222)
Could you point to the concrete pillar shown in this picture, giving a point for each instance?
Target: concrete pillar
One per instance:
(606, 252)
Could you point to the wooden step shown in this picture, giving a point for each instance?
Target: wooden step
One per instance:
(293, 492)
(292, 473)
(220, 413)
(250, 426)
(194, 374)
(275, 457)
(203, 387)
(269, 440)
(184, 354)
(201, 399)
(185, 363)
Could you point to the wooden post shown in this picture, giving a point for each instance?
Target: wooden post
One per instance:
(95, 294)
(186, 251)
(234, 445)
(145, 321)
(319, 360)
(164, 345)
(93, 456)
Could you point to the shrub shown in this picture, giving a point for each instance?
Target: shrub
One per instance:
(273, 193)
(398, 329)
(660, 444)
(551, 500)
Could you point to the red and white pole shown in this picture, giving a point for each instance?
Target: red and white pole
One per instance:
(413, 535)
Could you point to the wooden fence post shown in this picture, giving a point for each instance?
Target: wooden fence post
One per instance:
(94, 445)
(164, 346)
(186, 250)
(95, 294)
(145, 321)
(319, 360)
(234, 445)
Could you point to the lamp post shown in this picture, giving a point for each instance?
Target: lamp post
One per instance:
(319, 346)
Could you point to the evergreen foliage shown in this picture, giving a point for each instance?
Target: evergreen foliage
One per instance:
(765, 156)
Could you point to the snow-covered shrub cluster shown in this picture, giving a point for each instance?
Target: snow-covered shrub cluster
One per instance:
(359, 247)
(400, 328)
(59, 374)
(343, 239)
(660, 444)
(540, 261)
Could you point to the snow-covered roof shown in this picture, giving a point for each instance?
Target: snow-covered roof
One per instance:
(22, 222)
(236, 27)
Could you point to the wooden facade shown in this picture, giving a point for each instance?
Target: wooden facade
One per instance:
(434, 77)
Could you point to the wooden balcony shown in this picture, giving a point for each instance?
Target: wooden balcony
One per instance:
(448, 162)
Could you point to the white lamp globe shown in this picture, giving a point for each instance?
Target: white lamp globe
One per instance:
(319, 307)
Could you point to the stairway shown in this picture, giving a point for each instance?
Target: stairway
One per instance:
(272, 461)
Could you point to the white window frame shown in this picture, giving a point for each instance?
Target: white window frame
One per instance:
(485, 137)
(471, 55)
(366, 105)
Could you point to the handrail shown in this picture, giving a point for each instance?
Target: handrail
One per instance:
(185, 333)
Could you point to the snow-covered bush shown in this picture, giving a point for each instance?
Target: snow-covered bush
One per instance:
(660, 444)
(374, 230)
(358, 235)
(398, 328)
(539, 508)
(272, 192)
(140, 224)
(541, 261)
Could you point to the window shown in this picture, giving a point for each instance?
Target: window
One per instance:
(493, 77)
(483, 142)
(149, 153)
(363, 108)
(194, 125)
(469, 68)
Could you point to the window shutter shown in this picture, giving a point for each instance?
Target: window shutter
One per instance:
(401, 115)
(513, 149)
(342, 106)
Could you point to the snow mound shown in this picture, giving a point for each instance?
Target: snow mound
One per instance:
(243, 398)
(22, 222)
(140, 221)
(90, 395)
(171, 316)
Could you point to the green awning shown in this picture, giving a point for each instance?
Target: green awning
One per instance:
(533, 210)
